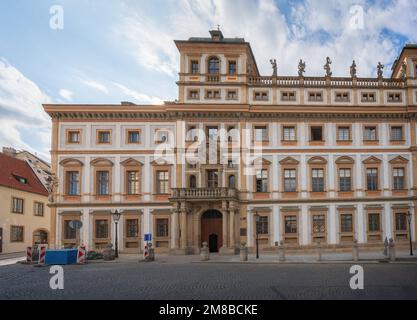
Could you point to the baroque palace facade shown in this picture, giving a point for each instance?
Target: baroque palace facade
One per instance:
(301, 159)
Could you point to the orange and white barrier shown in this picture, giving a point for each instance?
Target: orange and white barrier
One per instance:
(29, 253)
(81, 255)
(42, 252)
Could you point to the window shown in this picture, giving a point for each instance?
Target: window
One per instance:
(319, 223)
(133, 136)
(343, 133)
(73, 183)
(192, 133)
(290, 180)
(262, 180)
(368, 97)
(231, 95)
(214, 65)
(342, 97)
(398, 178)
(73, 136)
(289, 133)
(315, 96)
(102, 229)
(103, 137)
(232, 67)
(132, 228)
(397, 133)
(16, 233)
(401, 222)
(288, 96)
(213, 94)
(194, 67)
(22, 180)
(260, 96)
(372, 179)
(69, 233)
(192, 182)
(132, 178)
(162, 182)
(162, 227)
(212, 133)
(193, 94)
(317, 180)
(345, 180)
(161, 136)
(261, 133)
(212, 179)
(232, 182)
(17, 205)
(38, 209)
(290, 224)
(374, 222)
(394, 97)
(370, 133)
(346, 222)
(102, 183)
(316, 133)
(262, 225)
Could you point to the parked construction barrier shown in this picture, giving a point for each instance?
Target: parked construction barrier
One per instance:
(81, 255)
(29, 255)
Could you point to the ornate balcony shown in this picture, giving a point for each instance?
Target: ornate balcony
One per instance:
(204, 194)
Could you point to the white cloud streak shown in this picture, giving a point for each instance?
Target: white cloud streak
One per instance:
(138, 96)
(95, 85)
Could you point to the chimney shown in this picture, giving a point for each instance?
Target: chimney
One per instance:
(9, 151)
(216, 35)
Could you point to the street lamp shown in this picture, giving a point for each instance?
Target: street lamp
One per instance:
(257, 233)
(116, 218)
(409, 216)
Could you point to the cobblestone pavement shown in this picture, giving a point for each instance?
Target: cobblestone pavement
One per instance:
(129, 279)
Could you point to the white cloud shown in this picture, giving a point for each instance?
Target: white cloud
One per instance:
(23, 123)
(66, 94)
(95, 85)
(139, 97)
(312, 30)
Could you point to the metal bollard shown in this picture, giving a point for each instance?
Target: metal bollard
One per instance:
(355, 250)
(281, 251)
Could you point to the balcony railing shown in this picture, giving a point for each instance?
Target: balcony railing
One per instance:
(291, 81)
(204, 194)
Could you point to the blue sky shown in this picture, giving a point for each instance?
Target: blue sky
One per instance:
(111, 51)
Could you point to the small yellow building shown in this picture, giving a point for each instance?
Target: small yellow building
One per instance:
(24, 214)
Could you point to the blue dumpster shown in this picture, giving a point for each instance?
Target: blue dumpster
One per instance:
(65, 256)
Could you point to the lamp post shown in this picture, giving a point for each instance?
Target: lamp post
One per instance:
(257, 233)
(409, 216)
(116, 218)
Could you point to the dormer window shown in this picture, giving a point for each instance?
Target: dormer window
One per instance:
(22, 180)
(213, 65)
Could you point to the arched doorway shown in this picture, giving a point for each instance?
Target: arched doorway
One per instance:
(211, 229)
(40, 237)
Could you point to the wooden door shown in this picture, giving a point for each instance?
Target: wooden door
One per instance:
(211, 229)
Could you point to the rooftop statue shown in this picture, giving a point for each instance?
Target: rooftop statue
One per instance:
(353, 69)
(380, 71)
(301, 68)
(327, 67)
(274, 67)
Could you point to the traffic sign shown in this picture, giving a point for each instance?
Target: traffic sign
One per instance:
(75, 224)
(148, 236)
